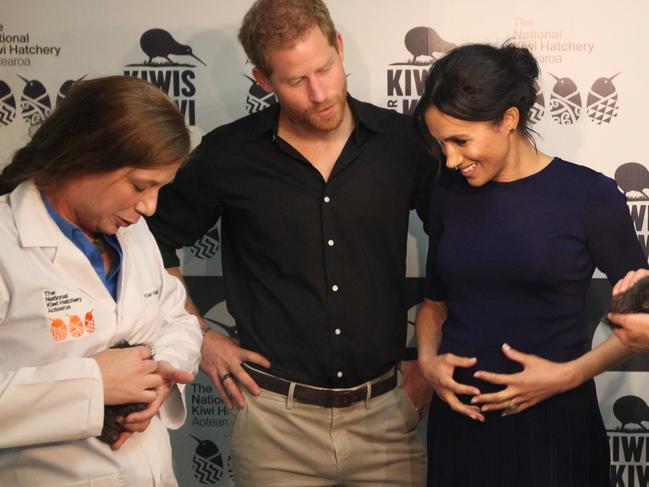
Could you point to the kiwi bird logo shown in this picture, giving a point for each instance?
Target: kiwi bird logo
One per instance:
(602, 104)
(207, 246)
(65, 88)
(7, 104)
(631, 410)
(258, 98)
(538, 108)
(207, 462)
(160, 43)
(633, 179)
(425, 41)
(565, 101)
(34, 102)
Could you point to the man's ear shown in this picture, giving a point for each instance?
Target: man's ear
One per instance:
(262, 80)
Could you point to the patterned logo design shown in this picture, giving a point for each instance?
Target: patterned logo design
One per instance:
(631, 412)
(566, 105)
(207, 462)
(633, 180)
(64, 89)
(258, 98)
(35, 102)
(406, 79)
(538, 109)
(161, 68)
(7, 104)
(425, 43)
(208, 245)
(565, 101)
(74, 327)
(627, 435)
(602, 105)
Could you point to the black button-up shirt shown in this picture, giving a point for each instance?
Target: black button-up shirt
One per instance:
(314, 270)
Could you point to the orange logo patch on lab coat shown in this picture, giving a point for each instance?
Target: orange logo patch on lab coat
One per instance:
(58, 330)
(75, 326)
(89, 322)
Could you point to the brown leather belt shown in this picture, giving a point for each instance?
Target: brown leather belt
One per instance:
(317, 396)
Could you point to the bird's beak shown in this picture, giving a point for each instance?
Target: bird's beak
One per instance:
(198, 59)
(25, 80)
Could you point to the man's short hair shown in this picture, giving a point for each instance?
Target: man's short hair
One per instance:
(274, 23)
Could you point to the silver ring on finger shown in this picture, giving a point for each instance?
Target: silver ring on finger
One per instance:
(226, 376)
(512, 405)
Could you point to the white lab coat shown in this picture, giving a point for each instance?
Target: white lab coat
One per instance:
(51, 391)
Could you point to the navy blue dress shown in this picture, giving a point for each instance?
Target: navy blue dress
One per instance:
(513, 262)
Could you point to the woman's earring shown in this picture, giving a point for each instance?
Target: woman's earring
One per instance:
(512, 130)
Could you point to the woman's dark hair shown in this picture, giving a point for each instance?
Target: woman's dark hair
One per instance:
(103, 124)
(478, 83)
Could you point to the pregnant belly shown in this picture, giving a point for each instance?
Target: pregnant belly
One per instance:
(494, 360)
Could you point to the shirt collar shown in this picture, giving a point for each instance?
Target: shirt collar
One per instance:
(71, 231)
(68, 229)
(268, 119)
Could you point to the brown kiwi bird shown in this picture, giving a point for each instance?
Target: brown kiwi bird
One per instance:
(113, 414)
(634, 300)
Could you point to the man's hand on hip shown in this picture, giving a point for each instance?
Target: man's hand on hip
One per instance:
(221, 359)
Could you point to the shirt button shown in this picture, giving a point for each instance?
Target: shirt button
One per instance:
(330, 243)
(327, 199)
(337, 331)
(334, 288)
(339, 374)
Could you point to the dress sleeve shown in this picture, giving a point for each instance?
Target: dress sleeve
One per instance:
(610, 234)
(434, 288)
(426, 173)
(189, 206)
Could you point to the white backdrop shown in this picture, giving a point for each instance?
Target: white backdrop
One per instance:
(594, 88)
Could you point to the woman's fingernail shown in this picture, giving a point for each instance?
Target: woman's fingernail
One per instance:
(506, 346)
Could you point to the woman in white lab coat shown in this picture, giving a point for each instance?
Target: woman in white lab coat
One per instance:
(79, 273)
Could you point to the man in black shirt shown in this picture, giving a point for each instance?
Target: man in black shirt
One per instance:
(314, 196)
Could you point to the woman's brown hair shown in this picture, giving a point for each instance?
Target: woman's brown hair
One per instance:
(103, 124)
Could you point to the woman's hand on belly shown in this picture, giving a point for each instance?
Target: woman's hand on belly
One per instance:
(438, 370)
(540, 379)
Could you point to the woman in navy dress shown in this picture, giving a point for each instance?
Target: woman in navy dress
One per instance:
(515, 236)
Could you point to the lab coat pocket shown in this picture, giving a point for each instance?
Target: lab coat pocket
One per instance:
(68, 464)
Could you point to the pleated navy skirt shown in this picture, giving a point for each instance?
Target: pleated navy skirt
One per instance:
(560, 442)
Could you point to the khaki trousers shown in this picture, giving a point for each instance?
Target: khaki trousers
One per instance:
(282, 443)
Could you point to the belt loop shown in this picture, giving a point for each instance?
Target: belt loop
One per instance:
(289, 396)
(368, 396)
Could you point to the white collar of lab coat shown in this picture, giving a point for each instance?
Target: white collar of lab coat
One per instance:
(36, 228)
(34, 225)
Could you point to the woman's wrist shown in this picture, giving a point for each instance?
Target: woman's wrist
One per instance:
(574, 375)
